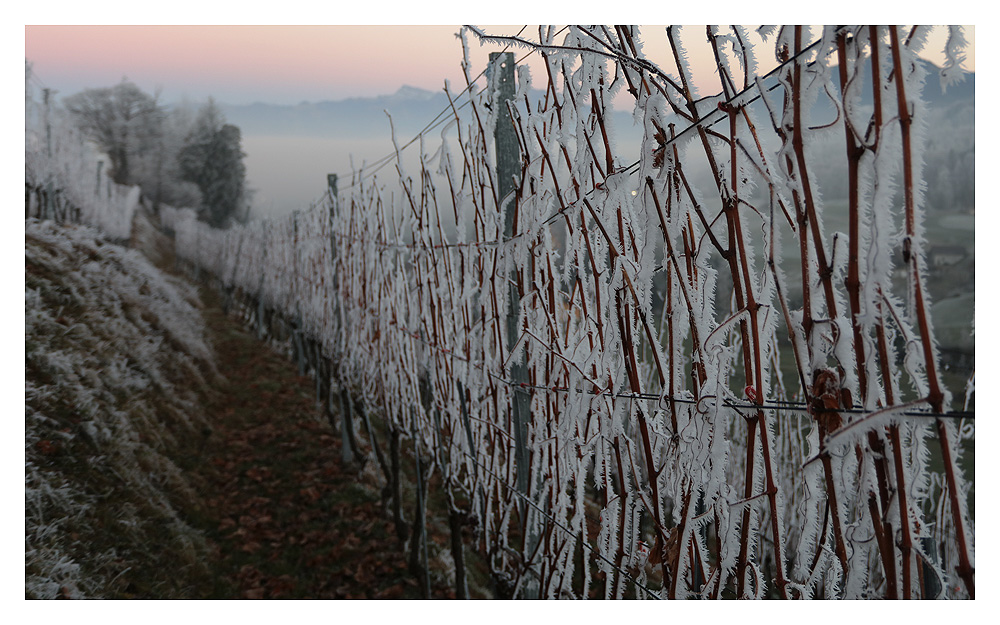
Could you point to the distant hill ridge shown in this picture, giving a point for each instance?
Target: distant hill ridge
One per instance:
(412, 108)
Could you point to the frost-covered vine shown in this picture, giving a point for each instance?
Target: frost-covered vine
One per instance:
(661, 291)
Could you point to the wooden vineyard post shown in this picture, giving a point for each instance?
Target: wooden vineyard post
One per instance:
(331, 183)
(349, 448)
(507, 155)
(501, 75)
(46, 93)
(418, 538)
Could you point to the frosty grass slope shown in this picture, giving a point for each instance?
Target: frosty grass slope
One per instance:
(115, 355)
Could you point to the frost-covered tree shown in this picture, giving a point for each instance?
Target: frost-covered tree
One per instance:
(178, 156)
(212, 159)
(123, 120)
(158, 171)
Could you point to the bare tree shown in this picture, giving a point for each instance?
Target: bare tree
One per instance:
(123, 120)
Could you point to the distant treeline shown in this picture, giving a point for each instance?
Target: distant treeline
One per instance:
(179, 155)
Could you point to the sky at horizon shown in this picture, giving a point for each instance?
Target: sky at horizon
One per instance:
(291, 64)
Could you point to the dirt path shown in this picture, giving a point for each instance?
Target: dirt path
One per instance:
(289, 520)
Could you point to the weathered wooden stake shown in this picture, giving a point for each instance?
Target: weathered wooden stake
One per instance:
(349, 445)
(379, 456)
(455, 523)
(397, 504)
(508, 155)
(418, 537)
(48, 126)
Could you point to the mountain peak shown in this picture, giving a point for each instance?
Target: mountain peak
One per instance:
(413, 93)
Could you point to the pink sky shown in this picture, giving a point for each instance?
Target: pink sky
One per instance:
(284, 64)
(247, 63)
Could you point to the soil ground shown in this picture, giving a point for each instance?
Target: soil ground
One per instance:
(289, 519)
